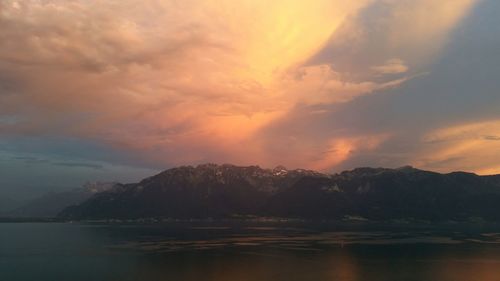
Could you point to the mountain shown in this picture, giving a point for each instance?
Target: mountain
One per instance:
(385, 194)
(366, 193)
(204, 191)
(8, 204)
(52, 203)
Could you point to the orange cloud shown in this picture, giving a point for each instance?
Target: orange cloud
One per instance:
(391, 66)
(189, 81)
(471, 147)
(341, 149)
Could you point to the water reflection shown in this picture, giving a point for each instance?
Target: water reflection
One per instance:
(240, 252)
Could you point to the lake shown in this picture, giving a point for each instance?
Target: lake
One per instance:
(244, 251)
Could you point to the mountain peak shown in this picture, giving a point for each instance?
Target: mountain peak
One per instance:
(97, 186)
(280, 170)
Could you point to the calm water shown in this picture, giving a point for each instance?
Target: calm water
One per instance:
(244, 251)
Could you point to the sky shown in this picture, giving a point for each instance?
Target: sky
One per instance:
(117, 90)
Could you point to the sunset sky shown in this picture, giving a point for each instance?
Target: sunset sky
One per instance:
(121, 89)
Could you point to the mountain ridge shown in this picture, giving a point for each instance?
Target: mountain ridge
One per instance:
(220, 191)
(51, 203)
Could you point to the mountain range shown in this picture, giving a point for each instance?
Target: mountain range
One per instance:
(228, 191)
(50, 204)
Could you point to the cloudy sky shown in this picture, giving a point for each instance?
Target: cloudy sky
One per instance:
(120, 89)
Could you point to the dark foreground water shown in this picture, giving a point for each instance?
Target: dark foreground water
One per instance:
(247, 251)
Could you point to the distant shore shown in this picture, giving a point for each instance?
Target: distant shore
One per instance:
(260, 220)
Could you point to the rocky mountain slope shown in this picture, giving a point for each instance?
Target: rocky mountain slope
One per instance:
(367, 193)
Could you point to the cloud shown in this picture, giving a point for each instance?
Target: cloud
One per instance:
(392, 66)
(468, 143)
(393, 31)
(492, 138)
(78, 165)
(32, 160)
(158, 76)
(321, 84)
(176, 82)
(342, 149)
